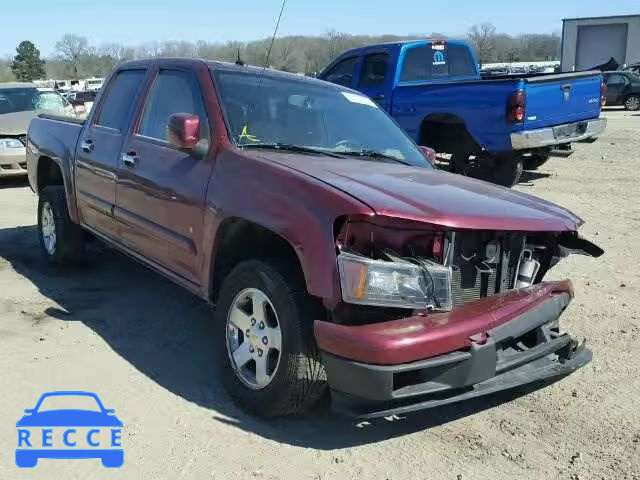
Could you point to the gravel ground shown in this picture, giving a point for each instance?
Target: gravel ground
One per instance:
(144, 346)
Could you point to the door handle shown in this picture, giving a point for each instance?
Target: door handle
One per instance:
(87, 146)
(130, 159)
(378, 98)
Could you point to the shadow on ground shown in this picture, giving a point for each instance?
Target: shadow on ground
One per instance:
(530, 176)
(14, 182)
(168, 335)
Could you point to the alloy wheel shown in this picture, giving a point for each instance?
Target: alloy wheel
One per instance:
(254, 338)
(48, 228)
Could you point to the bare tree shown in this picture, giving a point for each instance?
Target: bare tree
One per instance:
(5, 70)
(483, 39)
(71, 48)
(75, 57)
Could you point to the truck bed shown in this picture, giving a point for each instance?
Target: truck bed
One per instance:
(482, 104)
(60, 133)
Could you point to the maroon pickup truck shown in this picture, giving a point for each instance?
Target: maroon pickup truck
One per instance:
(334, 253)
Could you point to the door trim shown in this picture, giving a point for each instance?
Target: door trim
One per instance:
(156, 230)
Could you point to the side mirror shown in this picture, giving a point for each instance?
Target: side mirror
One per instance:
(183, 130)
(429, 154)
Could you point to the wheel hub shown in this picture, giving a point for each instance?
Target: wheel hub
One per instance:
(48, 228)
(254, 340)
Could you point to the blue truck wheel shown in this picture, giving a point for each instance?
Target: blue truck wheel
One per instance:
(26, 459)
(112, 458)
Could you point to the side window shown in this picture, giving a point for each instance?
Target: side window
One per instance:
(614, 79)
(173, 91)
(343, 72)
(418, 62)
(119, 99)
(374, 70)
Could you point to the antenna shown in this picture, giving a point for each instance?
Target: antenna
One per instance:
(239, 62)
(266, 61)
(275, 32)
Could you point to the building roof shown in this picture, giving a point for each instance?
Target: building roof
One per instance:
(600, 18)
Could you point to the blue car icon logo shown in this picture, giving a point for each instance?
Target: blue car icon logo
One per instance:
(82, 428)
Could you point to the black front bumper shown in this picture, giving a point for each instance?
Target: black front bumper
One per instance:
(525, 350)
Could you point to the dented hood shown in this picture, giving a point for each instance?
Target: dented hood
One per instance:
(432, 196)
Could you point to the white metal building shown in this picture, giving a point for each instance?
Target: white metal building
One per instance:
(588, 42)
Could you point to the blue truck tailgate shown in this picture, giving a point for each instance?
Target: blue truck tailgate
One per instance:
(559, 99)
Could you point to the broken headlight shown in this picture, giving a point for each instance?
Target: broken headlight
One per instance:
(401, 284)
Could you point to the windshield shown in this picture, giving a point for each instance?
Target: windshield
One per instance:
(69, 402)
(30, 99)
(281, 111)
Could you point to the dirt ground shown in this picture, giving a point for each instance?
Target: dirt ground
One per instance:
(144, 346)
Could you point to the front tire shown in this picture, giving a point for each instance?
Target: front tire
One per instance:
(632, 103)
(270, 364)
(61, 240)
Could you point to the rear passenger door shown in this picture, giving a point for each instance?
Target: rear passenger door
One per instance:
(616, 84)
(161, 189)
(374, 77)
(99, 148)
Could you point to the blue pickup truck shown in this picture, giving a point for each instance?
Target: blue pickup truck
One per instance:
(491, 128)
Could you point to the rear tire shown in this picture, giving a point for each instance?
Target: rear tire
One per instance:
(296, 376)
(632, 103)
(535, 161)
(501, 169)
(61, 240)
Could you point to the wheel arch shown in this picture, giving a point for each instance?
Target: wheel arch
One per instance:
(49, 172)
(239, 239)
(447, 133)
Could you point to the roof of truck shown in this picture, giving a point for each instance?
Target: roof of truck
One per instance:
(231, 67)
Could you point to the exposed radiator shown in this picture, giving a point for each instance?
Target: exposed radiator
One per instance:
(483, 263)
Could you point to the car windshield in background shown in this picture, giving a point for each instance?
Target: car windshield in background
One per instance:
(294, 114)
(14, 100)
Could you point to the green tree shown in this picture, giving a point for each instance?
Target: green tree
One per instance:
(27, 64)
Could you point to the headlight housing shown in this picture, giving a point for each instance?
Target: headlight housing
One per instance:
(10, 143)
(394, 284)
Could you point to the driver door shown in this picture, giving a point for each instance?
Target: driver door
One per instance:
(374, 78)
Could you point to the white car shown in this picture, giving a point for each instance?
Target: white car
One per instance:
(19, 103)
(94, 84)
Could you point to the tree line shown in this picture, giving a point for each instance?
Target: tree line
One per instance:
(75, 57)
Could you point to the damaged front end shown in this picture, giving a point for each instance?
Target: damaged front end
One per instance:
(433, 315)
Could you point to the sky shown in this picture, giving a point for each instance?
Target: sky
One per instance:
(134, 22)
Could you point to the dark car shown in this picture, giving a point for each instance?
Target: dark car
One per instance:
(623, 88)
(335, 253)
(80, 98)
(633, 68)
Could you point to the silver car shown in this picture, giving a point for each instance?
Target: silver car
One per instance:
(19, 103)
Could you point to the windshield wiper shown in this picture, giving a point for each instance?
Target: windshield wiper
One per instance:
(373, 154)
(291, 148)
